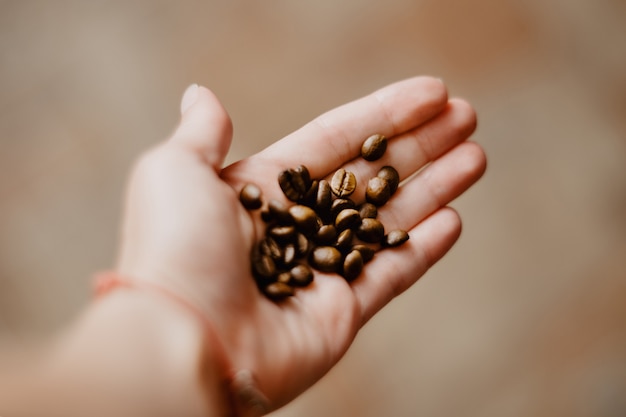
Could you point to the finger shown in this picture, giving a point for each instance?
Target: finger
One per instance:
(411, 151)
(335, 137)
(436, 186)
(393, 271)
(205, 127)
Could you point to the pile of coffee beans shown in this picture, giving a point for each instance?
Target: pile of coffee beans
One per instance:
(323, 229)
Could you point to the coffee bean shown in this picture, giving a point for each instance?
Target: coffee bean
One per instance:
(289, 255)
(294, 182)
(278, 291)
(374, 147)
(368, 210)
(301, 275)
(278, 211)
(367, 252)
(395, 238)
(302, 245)
(305, 219)
(352, 265)
(377, 191)
(282, 234)
(343, 183)
(326, 234)
(269, 247)
(370, 230)
(326, 259)
(310, 197)
(263, 267)
(340, 204)
(324, 197)
(344, 241)
(392, 177)
(347, 219)
(250, 196)
(284, 277)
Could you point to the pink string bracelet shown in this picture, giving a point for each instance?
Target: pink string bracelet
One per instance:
(247, 400)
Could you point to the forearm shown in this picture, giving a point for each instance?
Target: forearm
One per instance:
(130, 354)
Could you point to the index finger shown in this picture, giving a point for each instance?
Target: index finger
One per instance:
(335, 137)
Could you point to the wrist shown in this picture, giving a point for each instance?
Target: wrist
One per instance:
(143, 355)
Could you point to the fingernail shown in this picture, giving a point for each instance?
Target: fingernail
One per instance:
(189, 97)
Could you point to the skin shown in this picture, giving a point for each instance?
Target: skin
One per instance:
(185, 230)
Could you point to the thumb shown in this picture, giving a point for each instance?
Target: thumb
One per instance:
(205, 127)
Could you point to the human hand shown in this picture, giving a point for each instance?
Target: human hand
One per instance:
(186, 230)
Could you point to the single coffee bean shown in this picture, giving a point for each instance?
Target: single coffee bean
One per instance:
(302, 245)
(368, 210)
(352, 265)
(278, 291)
(390, 175)
(250, 196)
(343, 183)
(263, 267)
(310, 197)
(347, 219)
(326, 259)
(301, 275)
(282, 234)
(374, 147)
(284, 277)
(367, 252)
(305, 219)
(269, 247)
(326, 234)
(340, 204)
(279, 212)
(289, 255)
(377, 191)
(324, 197)
(344, 241)
(395, 238)
(294, 182)
(370, 230)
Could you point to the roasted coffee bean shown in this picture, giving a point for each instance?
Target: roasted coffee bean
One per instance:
(284, 277)
(344, 241)
(326, 234)
(278, 291)
(305, 219)
(390, 175)
(374, 147)
(370, 230)
(282, 234)
(289, 255)
(368, 210)
(302, 245)
(324, 197)
(340, 204)
(377, 191)
(343, 183)
(250, 196)
(279, 212)
(347, 219)
(310, 197)
(301, 275)
(367, 252)
(326, 259)
(352, 265)
(269, 247)
(263, 267)
(395, 238)
(294, 182)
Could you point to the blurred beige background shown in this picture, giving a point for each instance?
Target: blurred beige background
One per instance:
(527, 314)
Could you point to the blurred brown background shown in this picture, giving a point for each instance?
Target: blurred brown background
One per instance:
(526, 316)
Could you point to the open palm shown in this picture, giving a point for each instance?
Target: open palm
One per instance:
(185, 228)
